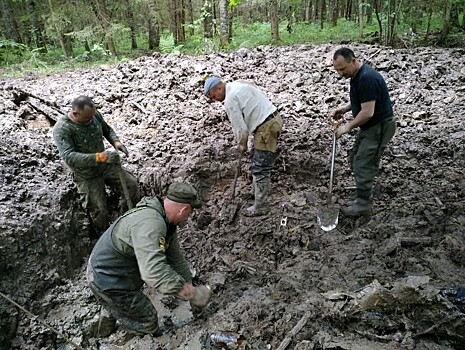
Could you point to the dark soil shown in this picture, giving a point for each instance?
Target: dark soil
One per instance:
(392, 280)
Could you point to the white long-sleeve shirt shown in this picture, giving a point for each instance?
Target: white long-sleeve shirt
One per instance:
(247, 107)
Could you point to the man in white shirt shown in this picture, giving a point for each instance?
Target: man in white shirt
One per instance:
(251, 112)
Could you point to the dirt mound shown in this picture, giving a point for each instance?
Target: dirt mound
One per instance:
(265, 275)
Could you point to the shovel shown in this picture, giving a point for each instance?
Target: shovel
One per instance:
(230, 209)
(328, 215)
(124, 186)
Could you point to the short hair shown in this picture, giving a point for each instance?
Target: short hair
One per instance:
(81, 102)
(345, 52)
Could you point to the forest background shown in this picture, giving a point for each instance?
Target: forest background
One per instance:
(47, 35)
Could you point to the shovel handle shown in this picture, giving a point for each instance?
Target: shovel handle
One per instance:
(333, 156)
(236, 175)
(124, 186)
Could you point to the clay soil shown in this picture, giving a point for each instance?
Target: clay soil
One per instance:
(392, 280)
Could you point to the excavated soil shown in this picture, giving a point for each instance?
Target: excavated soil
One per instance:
(393, 280)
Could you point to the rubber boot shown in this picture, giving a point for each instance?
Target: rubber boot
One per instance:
(358, 207)
(262, 190)
(105, 325)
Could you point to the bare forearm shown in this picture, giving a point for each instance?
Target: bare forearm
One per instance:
(345, 108)
(361, 118)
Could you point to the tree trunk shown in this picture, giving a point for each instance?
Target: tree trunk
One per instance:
(274, 20)
(428, 26)
(9, 24)
(35, 24)
(105, 22)
(208, 20)
(348, 14)
(177, 21)
(322, 13)
(333, 11)
(66, 44)
(446, 22)
(360, 18)
(377, 5)
(308, 11)
(190, 16)
(454, 16)
(463, 19)
(180, 20)
(230, 23)
(131, 24)
(154, 28)
(371, 5)
(224, 23)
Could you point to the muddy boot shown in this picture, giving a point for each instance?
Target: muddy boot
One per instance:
(251, 194)
(358, 207)
(262, 189)
(105, 325)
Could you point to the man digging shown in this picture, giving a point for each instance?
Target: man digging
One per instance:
(142, 247)
(251, 112)
(372, 110)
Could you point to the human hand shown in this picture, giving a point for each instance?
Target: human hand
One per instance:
(187, 292)
(344, 129)
(120, 147)
(202, 296)
(337, 114)
(243, 144)
(113, 157)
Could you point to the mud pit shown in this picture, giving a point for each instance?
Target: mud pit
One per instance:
(389, 281)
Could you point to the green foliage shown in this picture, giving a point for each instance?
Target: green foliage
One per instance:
(85, 29)
(302, 32)
(167, 44)
(11, 51)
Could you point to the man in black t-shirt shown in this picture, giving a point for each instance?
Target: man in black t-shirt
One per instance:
(372, 111)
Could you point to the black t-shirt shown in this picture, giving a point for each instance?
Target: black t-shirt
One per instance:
(369, 85)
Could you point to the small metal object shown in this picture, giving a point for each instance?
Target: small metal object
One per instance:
(223, 340)
(284, 221)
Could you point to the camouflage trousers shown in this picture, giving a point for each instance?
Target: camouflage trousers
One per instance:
(133, 309)
(265, 144)
(93, 194)
(366, 154)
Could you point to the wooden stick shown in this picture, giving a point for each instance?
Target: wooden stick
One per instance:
(236, 175)
(297, 328)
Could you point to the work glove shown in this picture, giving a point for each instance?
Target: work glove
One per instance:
(120, 147)
(113, 157)
(344, 129)
(200, 300)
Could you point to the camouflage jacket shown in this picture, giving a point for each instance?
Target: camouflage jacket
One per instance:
(78, 144)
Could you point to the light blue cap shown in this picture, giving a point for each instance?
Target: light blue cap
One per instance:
(210, 83)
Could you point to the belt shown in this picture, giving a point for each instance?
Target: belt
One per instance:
(267, 119)
(271, 116)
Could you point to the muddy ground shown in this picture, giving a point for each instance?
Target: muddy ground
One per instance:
(389, 281)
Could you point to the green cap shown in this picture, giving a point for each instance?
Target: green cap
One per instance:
(184, 193)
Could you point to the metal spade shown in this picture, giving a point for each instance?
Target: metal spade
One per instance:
(328, 215)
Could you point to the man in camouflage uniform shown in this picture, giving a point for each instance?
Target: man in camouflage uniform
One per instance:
(79, 139)
(142, 247)
(251, 112)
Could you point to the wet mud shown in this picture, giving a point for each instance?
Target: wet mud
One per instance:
(392, 280)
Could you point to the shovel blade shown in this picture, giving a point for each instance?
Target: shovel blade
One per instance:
(328, 217)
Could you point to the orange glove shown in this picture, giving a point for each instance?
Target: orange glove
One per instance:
(101, 157)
